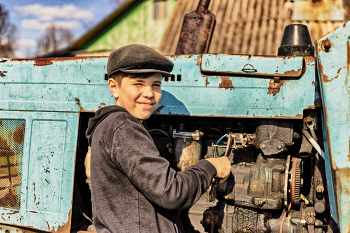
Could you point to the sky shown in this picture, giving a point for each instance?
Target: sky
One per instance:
(31, 17)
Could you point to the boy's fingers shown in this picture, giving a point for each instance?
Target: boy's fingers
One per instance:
(222, 165)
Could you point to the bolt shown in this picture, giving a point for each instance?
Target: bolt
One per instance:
(263, 146)
(279, 147)
(327, 46)
(320, 189)
(261, 202)
(310, 220)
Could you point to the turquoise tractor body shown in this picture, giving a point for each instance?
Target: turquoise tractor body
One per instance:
(41, 101)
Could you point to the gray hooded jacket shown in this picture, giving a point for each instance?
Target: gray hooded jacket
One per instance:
(133, 188)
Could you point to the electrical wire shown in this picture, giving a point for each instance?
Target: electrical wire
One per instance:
(284, 216)
(161, 131)
(217, 143)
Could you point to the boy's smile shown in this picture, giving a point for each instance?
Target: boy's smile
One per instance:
(139, 96)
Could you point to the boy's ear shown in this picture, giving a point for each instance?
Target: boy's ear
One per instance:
(113, 87)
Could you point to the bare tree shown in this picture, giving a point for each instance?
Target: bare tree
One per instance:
(53, 39)
(7, 34)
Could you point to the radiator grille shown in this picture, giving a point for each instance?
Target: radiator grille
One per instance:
(11, 154)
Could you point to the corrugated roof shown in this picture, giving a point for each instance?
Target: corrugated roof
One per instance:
(246, 26)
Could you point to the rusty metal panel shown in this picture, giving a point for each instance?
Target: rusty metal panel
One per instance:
(333, 59)
(192, 92)
(46, 158)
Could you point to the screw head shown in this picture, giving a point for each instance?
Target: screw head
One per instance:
(327, 46)
(263, 146)
(320, 189)
(279, 147)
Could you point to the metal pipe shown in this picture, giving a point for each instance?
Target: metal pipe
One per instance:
(314, 143)
(203, 5)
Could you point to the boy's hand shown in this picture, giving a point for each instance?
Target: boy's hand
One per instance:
(222, 165)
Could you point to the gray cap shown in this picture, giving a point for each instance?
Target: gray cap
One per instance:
(137, 58)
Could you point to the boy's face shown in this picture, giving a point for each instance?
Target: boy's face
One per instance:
(139, 96)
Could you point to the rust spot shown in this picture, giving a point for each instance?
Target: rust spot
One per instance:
(103, 104)
(99, 107)
(88, 80)
(309, 60)
(2, 73)
(324, 76)
(18, 135)
(326, 45)
(157, 111)
(199, 61)
(326, 79)
(349, 151)
(58, 58)
(66, 227)
(43, 62)
(344, 25)
(78, 102)
(206, 82)
(313, 83)
(226, 83)
(274, 88)
(3, 218)
(293, 73)
(47, 181)
(13, 212)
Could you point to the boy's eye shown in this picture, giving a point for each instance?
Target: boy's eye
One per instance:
(156, 85)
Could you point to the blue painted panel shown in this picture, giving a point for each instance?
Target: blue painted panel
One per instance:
(47, 170)
(69, 85)
(236, 96)
(77, 84)
(333, 57)
(256, 65)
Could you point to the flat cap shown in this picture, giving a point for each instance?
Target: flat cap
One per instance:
(137, 58)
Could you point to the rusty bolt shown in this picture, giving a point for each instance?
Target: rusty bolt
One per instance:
(327, 46)
(310, 220)
(261, 202)
(263, 146)
(320, 189)
(279, 147)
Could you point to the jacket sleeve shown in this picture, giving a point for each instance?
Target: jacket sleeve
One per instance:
(135, 155)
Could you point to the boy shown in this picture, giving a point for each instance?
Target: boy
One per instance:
(133, 188)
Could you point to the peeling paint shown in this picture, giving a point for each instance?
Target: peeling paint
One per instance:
(226, 83)
(157, 111)
(2, 73)
(274, 88)
(78, 102)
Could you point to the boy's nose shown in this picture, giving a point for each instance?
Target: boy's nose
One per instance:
(148, 92)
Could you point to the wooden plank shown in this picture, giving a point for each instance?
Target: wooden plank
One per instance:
(255, 30)
(219, 30)
(263, 29)
(270, 49)
(233, 28)
(248, 28)
(226, 27)
(279, 26)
